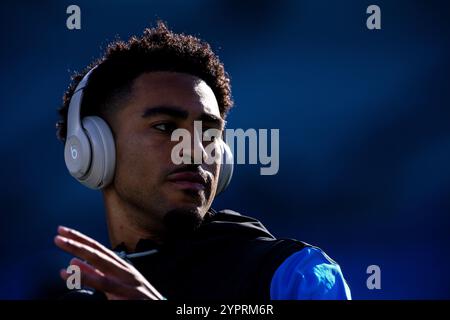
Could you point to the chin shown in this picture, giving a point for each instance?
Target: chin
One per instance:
(183, 220)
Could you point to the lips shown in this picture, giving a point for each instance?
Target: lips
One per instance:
(188, 180)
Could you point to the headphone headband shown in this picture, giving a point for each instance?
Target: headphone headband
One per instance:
(73, 115)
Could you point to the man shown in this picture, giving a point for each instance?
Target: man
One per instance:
(168, 243)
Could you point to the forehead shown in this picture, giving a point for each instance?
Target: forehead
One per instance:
(174, 89)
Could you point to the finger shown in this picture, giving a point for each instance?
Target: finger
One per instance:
(92, 278)
(80, 237)
(96, 258)
(88, 274)
(64, 274)
(84, 269)
(100, 282)
(91, 255)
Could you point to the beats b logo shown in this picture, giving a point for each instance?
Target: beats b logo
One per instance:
(74, 152)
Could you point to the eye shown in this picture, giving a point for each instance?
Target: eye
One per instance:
(166, 127)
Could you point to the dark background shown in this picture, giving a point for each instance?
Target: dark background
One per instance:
(363, 116)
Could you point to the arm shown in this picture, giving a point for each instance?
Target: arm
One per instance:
(309, 274)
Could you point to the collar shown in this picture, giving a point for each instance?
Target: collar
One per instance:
(145, 245)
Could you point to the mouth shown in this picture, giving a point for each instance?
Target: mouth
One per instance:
(186, 178)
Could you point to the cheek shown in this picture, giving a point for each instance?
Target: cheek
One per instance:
(140, 159)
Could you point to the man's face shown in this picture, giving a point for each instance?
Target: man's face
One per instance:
(145, 175)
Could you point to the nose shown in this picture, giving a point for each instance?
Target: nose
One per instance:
(196, 153)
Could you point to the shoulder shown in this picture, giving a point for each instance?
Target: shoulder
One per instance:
(309, 274)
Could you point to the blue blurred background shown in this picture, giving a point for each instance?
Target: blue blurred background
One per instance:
(363, 116)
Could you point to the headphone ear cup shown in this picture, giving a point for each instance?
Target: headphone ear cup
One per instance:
(77, 155)
(103, 156)
(226, 168)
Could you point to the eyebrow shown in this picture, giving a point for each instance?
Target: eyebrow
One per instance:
(207, 117)
(176, 112)
(165, 110)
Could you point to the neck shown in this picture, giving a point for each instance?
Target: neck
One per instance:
(127, 224)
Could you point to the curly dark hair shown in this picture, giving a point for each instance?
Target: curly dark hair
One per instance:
(158, 49)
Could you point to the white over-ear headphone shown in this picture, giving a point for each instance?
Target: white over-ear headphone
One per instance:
(90, 152)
